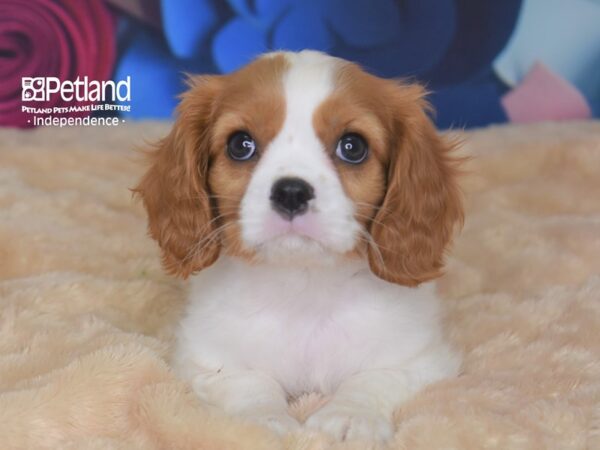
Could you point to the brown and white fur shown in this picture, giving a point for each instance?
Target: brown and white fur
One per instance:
(334, 300)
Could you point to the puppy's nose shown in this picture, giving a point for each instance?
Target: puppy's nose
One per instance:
(290, 196)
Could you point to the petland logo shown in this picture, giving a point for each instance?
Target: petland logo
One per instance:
(78, 100)
(43, 88)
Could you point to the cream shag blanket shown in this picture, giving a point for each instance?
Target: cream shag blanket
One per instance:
(87, 315)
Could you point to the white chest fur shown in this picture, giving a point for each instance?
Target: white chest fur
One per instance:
(308, 328)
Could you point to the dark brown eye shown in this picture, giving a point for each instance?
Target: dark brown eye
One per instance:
(241, 146)
(352, 148)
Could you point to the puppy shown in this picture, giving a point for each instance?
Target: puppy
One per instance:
(311, 202)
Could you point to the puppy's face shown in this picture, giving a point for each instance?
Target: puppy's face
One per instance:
(302, 158)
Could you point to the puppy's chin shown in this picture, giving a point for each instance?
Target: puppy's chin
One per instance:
(295, 249)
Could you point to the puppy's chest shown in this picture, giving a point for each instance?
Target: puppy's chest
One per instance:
(308, 329)
(311, 346)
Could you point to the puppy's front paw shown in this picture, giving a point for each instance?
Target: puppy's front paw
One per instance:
(351, 423)
(281, 423)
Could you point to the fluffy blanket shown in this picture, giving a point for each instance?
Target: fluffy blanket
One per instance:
(87, 315)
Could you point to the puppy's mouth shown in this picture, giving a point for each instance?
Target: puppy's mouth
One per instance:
(304, 227)
(282, 239)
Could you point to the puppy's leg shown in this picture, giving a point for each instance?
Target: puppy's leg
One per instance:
(363, 405)
(246, 393)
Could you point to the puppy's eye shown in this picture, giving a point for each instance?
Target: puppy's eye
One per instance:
(241, 146)
(352, 148)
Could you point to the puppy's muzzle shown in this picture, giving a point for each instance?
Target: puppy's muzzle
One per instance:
(290, 197)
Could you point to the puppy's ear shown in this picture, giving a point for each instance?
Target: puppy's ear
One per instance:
(174, 190)
(415, 221)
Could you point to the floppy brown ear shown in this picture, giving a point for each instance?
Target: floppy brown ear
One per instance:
(416, 219)
(174, 190)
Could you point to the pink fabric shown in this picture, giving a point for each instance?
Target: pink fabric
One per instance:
(60, 38)
(543, 95)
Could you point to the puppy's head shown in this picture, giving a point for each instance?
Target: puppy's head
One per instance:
(303, 158)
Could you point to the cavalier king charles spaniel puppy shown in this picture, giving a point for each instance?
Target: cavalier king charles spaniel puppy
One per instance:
(310, 203)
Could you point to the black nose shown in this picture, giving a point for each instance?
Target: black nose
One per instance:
(290, 196)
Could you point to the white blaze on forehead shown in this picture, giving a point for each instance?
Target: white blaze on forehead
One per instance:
(308, 81)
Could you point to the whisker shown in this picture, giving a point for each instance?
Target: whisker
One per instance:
(214, 219)
(218, 197)
(376, 248)
(224, 197)
(374, 207)
(380, 223)
(370, 219)
(206, 241)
